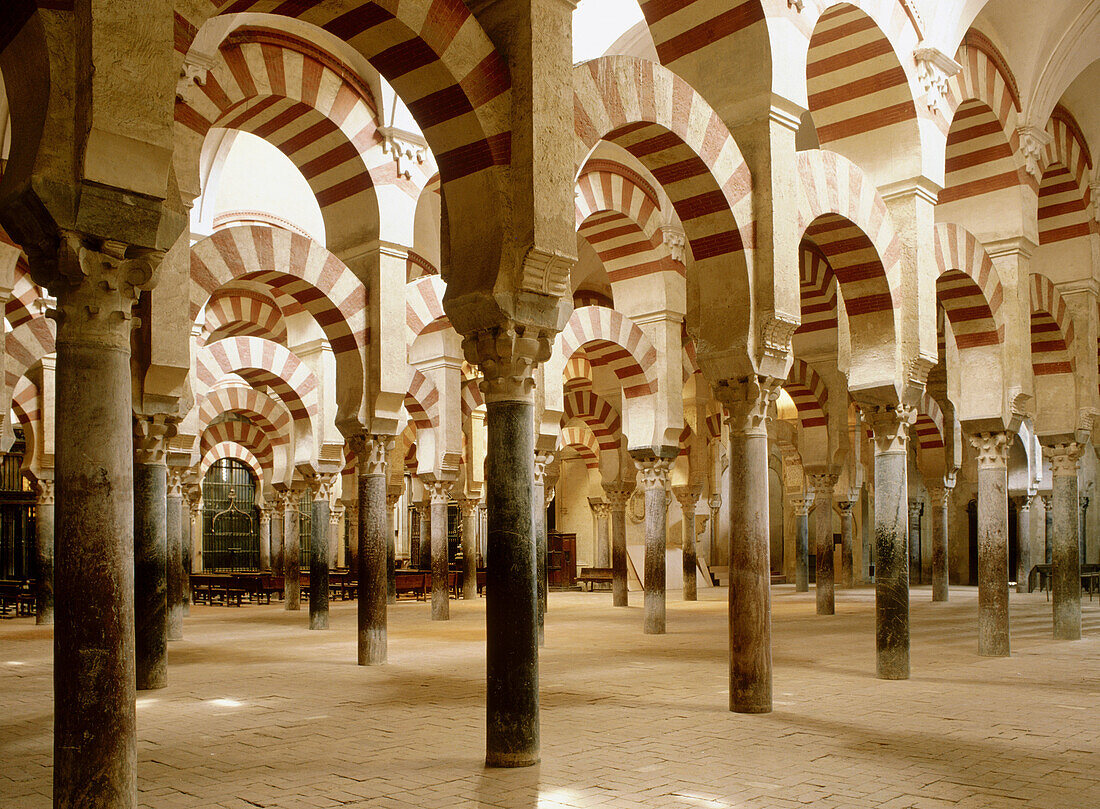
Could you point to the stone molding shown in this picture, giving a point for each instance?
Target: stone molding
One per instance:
(320, 486)
(776, 332)
(746, 401)
(507, 357)
(992, 449)
(334, 515)
(1063, 459)
(600, 508)
(934, 70)
(370, 452)
(467, 506)
(890, 426)
(44, 492)
(547, 273)
(392, 500)
(845, 507)
(151, 437)
(1033, 140)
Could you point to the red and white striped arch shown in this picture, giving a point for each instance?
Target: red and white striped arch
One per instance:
(599, 414)
(26, 401)
(243, 433)
(424, 306)
(581, 440)
(422, 400)
(267, 413)
(243, 313)
(809, 394)
(471, 396)
(1051, 329)
(21, 306)
(26, 345)
(817, 291)
(1064, 193)
(578, 372)
(928, 429)
(612, 340)
(968, 288)
(231, 449)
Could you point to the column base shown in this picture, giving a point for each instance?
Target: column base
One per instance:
(511, 760)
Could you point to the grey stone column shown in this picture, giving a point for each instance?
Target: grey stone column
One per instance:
(750, 619)
(265, 538)
(392, 499)
(1048, 528)
(151, 434)
(715, 505)
(653, 472)
(43, 548)
(351, 516)
(847, 538)
(321, 488)
(275, 531)
(424, 553)
(538, 529)
(916, 510)
(1023, 541)
(371, 555)
(993, 623)
(891, 437)
(938, 496)
(175, 573)
(802, 506)
(688, 496)
(467, 507)
(602, 510)
(335, 537)
(825, 578)
(618, 495)
(1082, 531)
(292, 549)
(1066, 574)
(439, 492)
(192, 533)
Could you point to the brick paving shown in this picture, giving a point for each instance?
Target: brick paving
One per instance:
(260, 712)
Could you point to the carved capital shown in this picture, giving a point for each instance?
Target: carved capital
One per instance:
(803, 504)
(916, 508)
(845, 507)
(676, 241)
(600, 508)
(370, 452)
(542, 460)
(1033, 140)
(176, 474)
(404, 147)
(265, 519)
(194, 71)
(43, 489)
(746, 402)
(618, 495)
(467, 506)
(1023, 503)
(334, 515)
(992, 449)
(938, 495)
(822, 484)
(151, 437)
(320, 486)
(715, 503)
(891, 427)
(392, 500)
(1063, 459)
(775, 332)
(507, 357)
(1048, 500)
(1084, 503)
(687, 496)
(653, 472)
(439, 491)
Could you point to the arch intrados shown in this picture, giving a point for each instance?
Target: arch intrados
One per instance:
(262, 363)
(247, 401)
(235, 451)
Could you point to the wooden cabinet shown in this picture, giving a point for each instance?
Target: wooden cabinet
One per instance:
(561, 566)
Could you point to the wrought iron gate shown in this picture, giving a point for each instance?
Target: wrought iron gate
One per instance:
(305, 528)
(230, 521)
(17, 522)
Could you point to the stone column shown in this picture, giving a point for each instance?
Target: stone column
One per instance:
(750, 621)
(916, 509)
(1066, 573)
(602, 511)
(1023, 541)
(193, 555)
(891, 437)
(351, 517)
(993, 625)
(265, 538)
(467, 507)
(392, 499)
(937, 497)
(292, 548)
(688, 496)
(1048, 528)
(439, 492)
(1082, 531)
(321, 488)
(802, 506)
(507, 357)
(43, 547)
(653, 472)
(371, 554)
(538, 529)
(151, 435)
(335, 537)
(424, 552)
(825, 587)
(175, 574)
(847, 538)
(715, 505)
(278, 524)
(617, 498)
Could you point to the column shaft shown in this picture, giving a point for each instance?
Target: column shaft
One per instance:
(441, 592)
(688, 544)
(43, 547)
(278, 522)
(371, 554)
(654, 475)
(802, 545)
(391, 551)
(993, 625)
(825, 579)
(620, 593)
(265, 539)
(468, 509)
(174, 529)
(603, 537)
(1023, 543)
(847, 538)
(292, 548)
(1066, 589)
(425, 552)
(150, 574)
(916, 508)
(1048, 518)
(542, 550)
(940, 540)
(319, 560)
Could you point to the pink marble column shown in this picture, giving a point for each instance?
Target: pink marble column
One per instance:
(993, 623)
(653, 476)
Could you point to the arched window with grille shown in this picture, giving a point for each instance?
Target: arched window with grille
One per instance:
(230, 520)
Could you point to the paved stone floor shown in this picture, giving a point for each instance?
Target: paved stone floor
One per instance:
(260, 712)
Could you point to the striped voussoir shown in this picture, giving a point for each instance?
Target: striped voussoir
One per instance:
(817, 292)
(857, 86)
(26, 404)
(683, 28)
(268, 414)
(239, 432)
(842, 213)
(26, 345)
(1064, 193)
(621, 220)
(715, 414)
(472, 399)
(422, 400)
(424, 306)
(243, 313)
(689, 362)
(660, 119)
(928, 429)
(1051, 329)
(579, 438)
(408, 442)
(968, 287)
(809, 394)
(611, 339)
(578, 372)
(983, 144)
(434, 54)
(21, 306)
(262, 363)
(596, 412)
(684, 441)
(231, 449)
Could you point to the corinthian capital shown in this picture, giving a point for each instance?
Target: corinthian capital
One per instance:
(891, 427)
(823, 483)
(653, 472)
(1063, 459)
(507, 357)
(370, 452)
(992, 449)
(151, 437)
(747, 402)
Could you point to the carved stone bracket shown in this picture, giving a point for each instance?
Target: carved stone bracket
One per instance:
(845, 507)
(547, 273)
(747, 402)
(151, 437)
(992, 449)
(797, 5)
(1063, 459)
(776, 331)
(44, 489)
(404, 147)
(934, 70)
(676, 241)
(507, 357)
(194, 72)
(1033, 140)
(542, 461)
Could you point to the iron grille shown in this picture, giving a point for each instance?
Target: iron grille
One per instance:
(17, 516)
(230, 521)
(305, 528)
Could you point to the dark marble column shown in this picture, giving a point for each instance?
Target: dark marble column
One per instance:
(467, 507)
(265, 538)
(175, 573)
(192, 534)
(371, 556)
(688, 496)
(993, 623)
(1023, 541)
(715, 505)
(321, 488)
(891, 437)
(278, 525)
(653, 473)
(538, 529)
(392, 499)
(43, 548)
(292, 549)
(750, 644)
(847, 538)
(1048, 528)
(151, 436)
(424, 552)
(1066, 589)
(916, 510)
(618, 495)
(1082, 531)
(825, 578)
(601, 510)
(802, 506)
(439, 492)
(937, 497)
(351, 515)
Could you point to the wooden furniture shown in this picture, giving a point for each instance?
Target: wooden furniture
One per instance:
(16, 596)
(593, 576)
(561, 568)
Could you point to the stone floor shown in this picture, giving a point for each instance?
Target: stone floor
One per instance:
(261, 712)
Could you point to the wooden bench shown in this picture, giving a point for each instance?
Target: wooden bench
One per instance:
(592, 576)
(413, 582)
(16, 596)
(210, 588)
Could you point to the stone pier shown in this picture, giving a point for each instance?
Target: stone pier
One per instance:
(993, 624)
(370, 452)
(43, 549)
